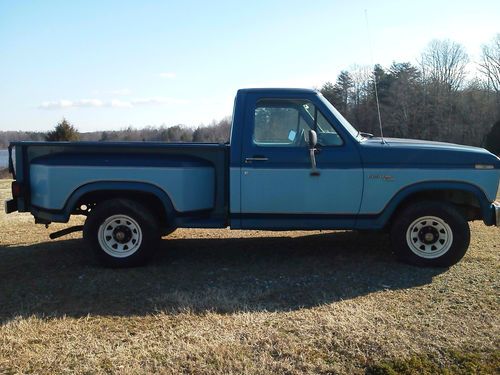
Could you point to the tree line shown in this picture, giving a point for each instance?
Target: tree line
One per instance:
(217, 131)
(433, 99)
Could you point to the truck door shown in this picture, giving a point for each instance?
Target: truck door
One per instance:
(278, 190)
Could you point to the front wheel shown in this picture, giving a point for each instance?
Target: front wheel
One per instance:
(430, 234)
(121, 232)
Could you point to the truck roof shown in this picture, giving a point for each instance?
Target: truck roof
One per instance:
(277, 91)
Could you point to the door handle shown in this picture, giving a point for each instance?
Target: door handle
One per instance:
(256, 158)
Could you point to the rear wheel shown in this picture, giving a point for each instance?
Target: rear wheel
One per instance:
(430, 234)
(121, 232)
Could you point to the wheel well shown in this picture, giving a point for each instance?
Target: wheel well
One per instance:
(89, 200)
(466, 202)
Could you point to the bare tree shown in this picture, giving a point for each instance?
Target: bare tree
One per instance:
(444, 62)
(359, 113)
(490, 63)
(361, 82)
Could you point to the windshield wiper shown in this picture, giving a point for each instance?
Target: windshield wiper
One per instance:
(366, 135)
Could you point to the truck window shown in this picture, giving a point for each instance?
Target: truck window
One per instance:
(280, 122)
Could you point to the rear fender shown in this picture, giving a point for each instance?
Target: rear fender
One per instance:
(119, 187)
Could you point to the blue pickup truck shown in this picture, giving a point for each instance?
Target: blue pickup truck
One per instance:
(293, 162)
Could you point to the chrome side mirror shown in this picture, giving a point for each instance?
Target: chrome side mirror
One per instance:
(313, 141)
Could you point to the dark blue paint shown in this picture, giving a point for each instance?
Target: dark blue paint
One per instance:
(404, 153)
(292, 221)
(121, 160)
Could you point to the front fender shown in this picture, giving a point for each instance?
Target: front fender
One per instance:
(378, 221)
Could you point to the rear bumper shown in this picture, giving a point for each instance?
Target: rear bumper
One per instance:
(496, 214)
(10, 206)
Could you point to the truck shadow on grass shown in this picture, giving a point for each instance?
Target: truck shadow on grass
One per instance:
(225, 275)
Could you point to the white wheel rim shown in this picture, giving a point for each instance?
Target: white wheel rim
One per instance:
(120, 236)
(429, 237)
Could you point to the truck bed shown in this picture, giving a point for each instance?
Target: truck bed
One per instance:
(50, 174)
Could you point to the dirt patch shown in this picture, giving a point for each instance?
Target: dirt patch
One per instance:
(4, 173)
(215, 301)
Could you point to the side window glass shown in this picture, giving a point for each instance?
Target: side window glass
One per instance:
(281, 123)
(275, 124)
(327, 136)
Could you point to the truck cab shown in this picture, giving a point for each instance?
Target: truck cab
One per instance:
(274, 186)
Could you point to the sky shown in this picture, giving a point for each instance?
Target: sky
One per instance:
(107, 65)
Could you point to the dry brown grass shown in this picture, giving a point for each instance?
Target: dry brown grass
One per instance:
(220, 301)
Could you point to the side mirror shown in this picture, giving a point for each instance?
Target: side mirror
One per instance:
(313, 141)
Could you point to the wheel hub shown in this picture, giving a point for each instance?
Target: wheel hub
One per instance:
(122, 234)
(428, 235)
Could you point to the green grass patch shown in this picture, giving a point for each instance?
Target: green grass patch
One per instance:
(453, 362)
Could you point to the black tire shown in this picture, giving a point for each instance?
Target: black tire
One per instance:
(431, 234)
(121, 232)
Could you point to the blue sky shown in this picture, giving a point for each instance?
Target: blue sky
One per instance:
(111, 64)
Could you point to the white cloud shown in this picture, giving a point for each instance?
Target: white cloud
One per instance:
(56, 104)
(88, 103)
(59, 104)
(168, 75)
(114, 103)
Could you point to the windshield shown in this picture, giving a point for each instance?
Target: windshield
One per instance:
(346, 124)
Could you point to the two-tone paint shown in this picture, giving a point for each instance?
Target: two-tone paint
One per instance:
(362, 181)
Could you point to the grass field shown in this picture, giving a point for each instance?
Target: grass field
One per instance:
(220, 301)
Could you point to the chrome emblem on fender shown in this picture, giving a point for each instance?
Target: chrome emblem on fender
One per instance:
(384, 177)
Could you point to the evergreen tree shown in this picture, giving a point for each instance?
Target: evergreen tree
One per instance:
(343, 91)
(63, 131)
(493, 139)
(328, 91)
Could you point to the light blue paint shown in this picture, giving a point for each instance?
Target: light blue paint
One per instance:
(382, 184)
(189, 189)
(295, 191)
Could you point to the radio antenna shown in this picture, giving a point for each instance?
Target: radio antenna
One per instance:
(374, 78)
